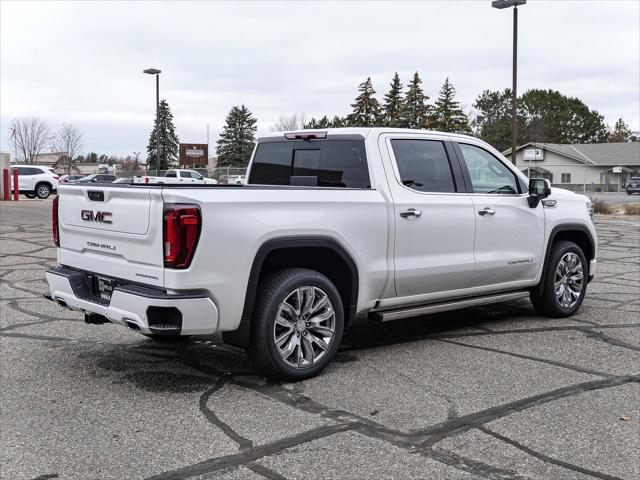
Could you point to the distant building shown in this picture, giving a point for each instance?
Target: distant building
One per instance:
(575, 166)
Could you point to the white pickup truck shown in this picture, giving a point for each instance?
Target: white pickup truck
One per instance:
(333, 225)
(177, 175)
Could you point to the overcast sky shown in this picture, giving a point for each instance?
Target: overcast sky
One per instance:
(82, 63)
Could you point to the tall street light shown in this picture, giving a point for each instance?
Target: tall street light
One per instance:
(500, 4)
(156, 72)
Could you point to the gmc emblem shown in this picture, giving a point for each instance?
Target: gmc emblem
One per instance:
(91, 216)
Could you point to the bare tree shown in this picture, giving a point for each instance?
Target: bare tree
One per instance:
(67, 142)
(288, 123)
(29, 136)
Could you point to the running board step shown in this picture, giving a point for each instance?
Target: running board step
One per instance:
(390, 315)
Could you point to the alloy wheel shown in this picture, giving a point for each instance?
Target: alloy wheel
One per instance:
(569, 280)
(304, 328)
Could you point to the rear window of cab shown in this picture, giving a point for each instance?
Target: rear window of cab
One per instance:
(320, 163)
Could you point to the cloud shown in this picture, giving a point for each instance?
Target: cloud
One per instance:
(82, 62)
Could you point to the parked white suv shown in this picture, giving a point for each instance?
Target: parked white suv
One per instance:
(333, 225)
(35, 180)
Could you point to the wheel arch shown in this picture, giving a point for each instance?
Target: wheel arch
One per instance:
(329, 258)
(572, 232)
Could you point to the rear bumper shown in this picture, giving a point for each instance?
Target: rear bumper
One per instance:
(141, 309)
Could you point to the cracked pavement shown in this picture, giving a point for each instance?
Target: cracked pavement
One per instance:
(495, 392)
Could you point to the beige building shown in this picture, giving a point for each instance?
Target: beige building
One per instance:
(590, 166)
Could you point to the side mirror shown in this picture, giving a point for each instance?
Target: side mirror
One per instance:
(539, 189)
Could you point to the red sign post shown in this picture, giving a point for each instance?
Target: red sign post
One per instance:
(5, 179)
(16, 193)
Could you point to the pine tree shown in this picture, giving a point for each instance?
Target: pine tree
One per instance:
(366, 109)
(447, 116)
(392, 108)
(169, 142)
(415, 111)
(237, 139)
(621, 132)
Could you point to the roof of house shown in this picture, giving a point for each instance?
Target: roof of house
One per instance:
(611, 154)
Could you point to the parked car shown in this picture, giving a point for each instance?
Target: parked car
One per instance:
(96, 178)
(35, 181)
(176, 176)
(333, 225)
(633, 185)
(124, 180)
(70, 178)
(232, 179)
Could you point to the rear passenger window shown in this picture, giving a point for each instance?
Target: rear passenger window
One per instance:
(423, 165)
(171, 174)
(325, 163)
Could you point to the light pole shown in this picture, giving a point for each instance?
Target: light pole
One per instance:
(156, 72)
(500, 4)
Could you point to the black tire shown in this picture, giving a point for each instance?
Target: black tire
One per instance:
(43, 190)
(166, 338)
(30, 195)
(544, 297)
(629, 192)
(272, 291)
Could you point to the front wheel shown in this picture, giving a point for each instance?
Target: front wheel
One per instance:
(297, 326)
(564, 283)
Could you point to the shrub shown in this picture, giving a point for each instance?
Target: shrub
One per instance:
(632, 208)
(600, 206)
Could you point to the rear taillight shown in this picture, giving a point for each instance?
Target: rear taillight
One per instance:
(180, 233)
(55, 177)
(54, 222)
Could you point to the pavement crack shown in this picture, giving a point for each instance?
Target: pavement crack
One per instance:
(456, 426)
(555, 363)
(251, 454)
(546, 458)
(243, 442)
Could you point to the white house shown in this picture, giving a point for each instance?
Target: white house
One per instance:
(580, 166)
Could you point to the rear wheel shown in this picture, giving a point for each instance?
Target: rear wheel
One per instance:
(297, 324)
(564, 283)
(43, 190)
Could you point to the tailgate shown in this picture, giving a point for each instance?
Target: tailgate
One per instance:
(114, 231)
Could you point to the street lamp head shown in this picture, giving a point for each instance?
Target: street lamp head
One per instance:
(152, 71)
(507, 3)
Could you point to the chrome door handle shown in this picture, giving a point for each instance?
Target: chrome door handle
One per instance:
(486, 211)
(411, 212)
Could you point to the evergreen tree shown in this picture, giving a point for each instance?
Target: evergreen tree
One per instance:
(543, 116)
(392, 108)
(447, 116)
(169, 142)
(325, 122)
(237, 139)
(415, 111)
(621, 132)
(366, 109)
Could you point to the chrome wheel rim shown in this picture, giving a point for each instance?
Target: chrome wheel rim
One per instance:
(569, 280)
(43, 191)
(304, 328)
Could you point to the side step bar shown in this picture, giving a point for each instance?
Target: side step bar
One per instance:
(390, 315)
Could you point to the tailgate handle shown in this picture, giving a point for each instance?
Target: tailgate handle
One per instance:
(96, 195)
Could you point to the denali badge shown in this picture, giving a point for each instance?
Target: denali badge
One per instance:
(91, 216)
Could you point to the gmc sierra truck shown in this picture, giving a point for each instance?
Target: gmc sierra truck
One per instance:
(332, 225)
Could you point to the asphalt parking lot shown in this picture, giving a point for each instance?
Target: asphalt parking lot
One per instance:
(494, 392)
